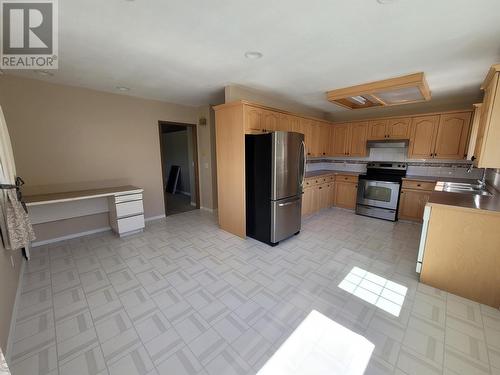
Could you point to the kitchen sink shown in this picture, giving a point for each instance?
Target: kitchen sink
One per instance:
(462, 188)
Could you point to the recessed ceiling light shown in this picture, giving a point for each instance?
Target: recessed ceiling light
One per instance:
(44, 73)
(253, 55)
(386, 1)
(122, 88)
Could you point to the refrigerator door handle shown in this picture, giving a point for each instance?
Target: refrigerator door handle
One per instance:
(303, 145)
(288, 203)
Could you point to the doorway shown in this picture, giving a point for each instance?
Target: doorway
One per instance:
(179, 166)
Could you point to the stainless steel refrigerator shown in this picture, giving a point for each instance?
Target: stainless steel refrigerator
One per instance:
(275, 167)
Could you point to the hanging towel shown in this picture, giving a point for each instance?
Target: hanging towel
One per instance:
(19, 229)
(15, 226)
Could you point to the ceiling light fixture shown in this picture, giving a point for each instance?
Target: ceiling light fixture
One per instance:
(122, 88)
(253, 55)
(383, 2)
(44, 73)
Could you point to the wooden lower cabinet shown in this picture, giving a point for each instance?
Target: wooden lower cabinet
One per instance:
(317, 197)
(412, 204)
(461, 253)
(345, 194)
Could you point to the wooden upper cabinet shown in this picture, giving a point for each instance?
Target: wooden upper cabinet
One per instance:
(253, 119)
(306, 126)
(452, 134)
(476, 119)
(422, 139)
(339, 140)
(358, 135)
(324, 139)
(294, 123)
(377, 130)
(487, 150)
(270, 121)
(316, 138)
(284, 123)
(399, 128)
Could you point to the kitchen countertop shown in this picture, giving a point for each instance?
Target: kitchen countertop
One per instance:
(325, 172)
(471, 201)
(438, 178)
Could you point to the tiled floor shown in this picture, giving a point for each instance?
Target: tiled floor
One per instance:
(187, 298)
(178, 203)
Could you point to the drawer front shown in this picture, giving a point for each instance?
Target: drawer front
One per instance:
(346, 178)
(128, 197)
(129, 224)
(418, 185)
(129, 208)
(312, 181)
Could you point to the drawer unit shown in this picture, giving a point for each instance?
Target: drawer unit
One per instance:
(312, 181)
(130, 224)
(418, 185)
(126, 213)
(346, 178)
(127, 197)
(130, 208)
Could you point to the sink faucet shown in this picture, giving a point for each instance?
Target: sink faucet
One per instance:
(482, 181)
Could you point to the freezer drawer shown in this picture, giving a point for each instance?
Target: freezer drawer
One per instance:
(285, 218)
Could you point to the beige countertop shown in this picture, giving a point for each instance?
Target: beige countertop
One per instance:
(325, 172)
(33, 200)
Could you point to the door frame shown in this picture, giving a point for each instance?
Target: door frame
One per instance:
(195, 160)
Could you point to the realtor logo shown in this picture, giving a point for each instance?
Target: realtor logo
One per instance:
(29, 34)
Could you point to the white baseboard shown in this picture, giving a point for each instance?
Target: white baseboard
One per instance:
(70, 236)
(10, 338)
(211, 210)
(153, 218)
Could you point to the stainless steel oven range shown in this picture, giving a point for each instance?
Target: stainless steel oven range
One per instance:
(378, 190)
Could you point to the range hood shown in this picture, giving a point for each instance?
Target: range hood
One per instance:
(393, 143)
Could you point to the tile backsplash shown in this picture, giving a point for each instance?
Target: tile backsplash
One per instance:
(448, 168)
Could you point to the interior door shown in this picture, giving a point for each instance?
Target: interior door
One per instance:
(423, 137)
(288, 162)
(452, 136)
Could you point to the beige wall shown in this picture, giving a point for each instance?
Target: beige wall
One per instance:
(207, 160)
(9, 278)
(237, 92)
(71, 138)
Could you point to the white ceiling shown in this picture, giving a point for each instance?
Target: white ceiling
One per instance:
(187, 51)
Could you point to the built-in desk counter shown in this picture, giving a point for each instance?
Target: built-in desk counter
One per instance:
(124, 204)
